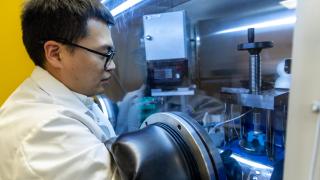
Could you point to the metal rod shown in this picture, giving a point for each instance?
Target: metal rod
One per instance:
(269, 136)
(255, 74)
(256, 118)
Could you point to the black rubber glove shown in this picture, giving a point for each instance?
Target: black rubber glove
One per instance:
(150, 153)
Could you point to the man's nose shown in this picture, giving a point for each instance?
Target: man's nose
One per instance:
(111, 66)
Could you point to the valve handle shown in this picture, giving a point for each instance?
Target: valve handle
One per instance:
(251, 35)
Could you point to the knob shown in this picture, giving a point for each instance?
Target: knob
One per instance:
(251, 35)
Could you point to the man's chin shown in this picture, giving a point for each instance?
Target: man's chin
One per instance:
(100, 90)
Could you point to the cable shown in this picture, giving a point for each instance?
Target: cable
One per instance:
(216, 125)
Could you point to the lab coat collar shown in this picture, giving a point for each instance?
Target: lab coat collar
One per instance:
(58, 91)
(87, 101)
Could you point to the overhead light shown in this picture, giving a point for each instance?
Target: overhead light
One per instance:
(290, 4)
(123, 6)
(272, 23)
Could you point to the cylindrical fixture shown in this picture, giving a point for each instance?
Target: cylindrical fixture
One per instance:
(251, 35)
(255, 74)
(256, 118)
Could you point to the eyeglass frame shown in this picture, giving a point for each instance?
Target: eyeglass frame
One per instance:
(109, 55)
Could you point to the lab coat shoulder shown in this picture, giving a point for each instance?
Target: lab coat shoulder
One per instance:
(63, 148)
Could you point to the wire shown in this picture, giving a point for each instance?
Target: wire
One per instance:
(216, 125)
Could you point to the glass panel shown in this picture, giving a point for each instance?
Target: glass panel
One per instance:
(235, 83)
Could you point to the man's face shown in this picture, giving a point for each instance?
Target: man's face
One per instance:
(83, 71)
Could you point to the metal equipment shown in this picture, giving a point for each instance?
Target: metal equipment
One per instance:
(254, 49)
(166, 47)
(255, 142)
(167, 54)
(262, 132)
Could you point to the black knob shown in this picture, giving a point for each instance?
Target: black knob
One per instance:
(251, 35)
(254, 47)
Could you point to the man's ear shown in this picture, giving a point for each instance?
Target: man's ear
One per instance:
(52, 52)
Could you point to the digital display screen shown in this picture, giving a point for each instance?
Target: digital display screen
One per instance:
(163, 73)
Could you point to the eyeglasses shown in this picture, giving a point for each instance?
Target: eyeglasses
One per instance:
(109, 55)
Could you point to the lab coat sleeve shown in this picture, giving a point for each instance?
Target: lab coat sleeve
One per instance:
(63, 148)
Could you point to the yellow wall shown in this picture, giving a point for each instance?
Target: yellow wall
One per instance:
(15, 64)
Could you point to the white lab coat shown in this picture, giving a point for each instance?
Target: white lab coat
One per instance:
(46, 133)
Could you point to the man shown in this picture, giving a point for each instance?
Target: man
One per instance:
(50, 128)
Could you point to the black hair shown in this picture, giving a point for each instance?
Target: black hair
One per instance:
(51, 19)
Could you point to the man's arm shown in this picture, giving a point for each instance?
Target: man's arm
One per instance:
(65, 149)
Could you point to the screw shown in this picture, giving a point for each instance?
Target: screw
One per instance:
(316, 107)
(148, 37)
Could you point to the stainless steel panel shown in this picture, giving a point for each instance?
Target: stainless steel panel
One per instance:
(266, 100)
(218, 57)
(165, 36)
